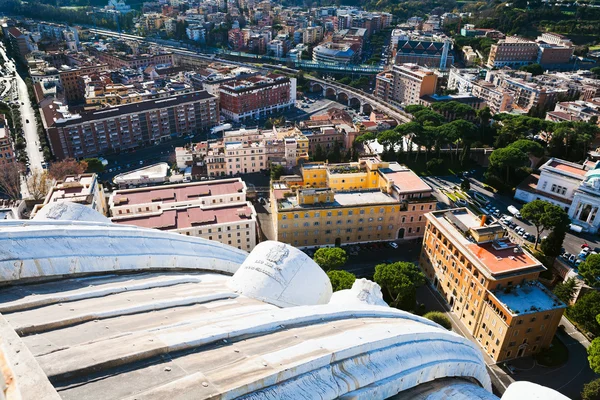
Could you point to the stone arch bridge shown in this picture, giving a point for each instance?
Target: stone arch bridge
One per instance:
(356, 99)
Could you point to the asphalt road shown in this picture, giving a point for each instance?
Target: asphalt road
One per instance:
(29, 128)
(572, 242)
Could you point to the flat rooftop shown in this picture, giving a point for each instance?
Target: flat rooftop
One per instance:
(340, 199)
(497, 257)
(528, 298)
(190, 217)
(405, 180)
(566, 166)
(152, 171)
(74, 188)
(499, 261)
(177, 193)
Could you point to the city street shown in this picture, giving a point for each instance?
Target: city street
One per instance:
(27, 114)
(572, 242)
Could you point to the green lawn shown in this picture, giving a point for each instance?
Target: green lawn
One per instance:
(594, 48)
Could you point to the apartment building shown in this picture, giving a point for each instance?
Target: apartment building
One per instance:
(427, 53)
(7, 153)
(214, 210)
(512, 52)
(578, 110)
(245, 158)
(128, 126)
(116, 60)
(337, 204)
(411, 82)
(490, 284)
(256, 97)
(82, 189)
(72, 83)
(496, 98)
(384, 84)
(19, 42)
(100, 94)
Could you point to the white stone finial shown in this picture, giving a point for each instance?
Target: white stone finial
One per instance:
(363, 291)
(282, 275)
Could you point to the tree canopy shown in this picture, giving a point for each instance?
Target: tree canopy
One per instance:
(545, 215)
(591, 390)
(585, 310)
(594, 355)
(341, 280)
(330, 258)
(400, 281)
(276, 171)
(565, 291)
(590, 270)
(439, 318)
(59, 169)
(94, 165)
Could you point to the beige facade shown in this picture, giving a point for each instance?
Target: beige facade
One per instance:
(214, 210)
(83, 189)
(410, 82)
(337, 204)
(490, 284)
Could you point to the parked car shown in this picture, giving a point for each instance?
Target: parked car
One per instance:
(394, 245)
(578, 262)
(572, 258)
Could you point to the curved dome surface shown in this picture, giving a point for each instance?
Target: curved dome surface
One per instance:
(69, 212)
(158, 319)
(280, 274)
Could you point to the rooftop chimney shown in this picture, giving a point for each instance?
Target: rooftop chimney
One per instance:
(483, 218)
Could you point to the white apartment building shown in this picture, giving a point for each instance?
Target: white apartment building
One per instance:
(568, 185)
(498, 99)
(462, 79)
(214, 210)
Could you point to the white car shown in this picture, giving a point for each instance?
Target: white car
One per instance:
(394, 245)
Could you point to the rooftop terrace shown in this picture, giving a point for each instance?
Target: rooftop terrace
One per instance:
(528, 298)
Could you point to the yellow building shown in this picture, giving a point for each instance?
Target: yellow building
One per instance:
(337, 204)
(490, 284)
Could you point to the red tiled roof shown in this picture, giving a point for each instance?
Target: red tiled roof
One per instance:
(188, 217)
(178, 192)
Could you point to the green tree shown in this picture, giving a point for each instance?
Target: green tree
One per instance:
(276, 171)
(590, 270)
(94, 165)
(439, 318)
(505, 161)
(400, 281)
(565, 291)
(552, 244)
(585, 310)
(341, 280)
(529, 147)
(545, 215)
(594, 355)
(465, 185)
(595, 71)
(591, 390)
(330, 258)
(534, 69)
